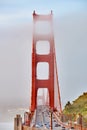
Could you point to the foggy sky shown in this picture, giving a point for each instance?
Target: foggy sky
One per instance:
(70, 34)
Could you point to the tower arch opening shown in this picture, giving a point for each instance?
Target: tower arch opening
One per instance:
(42, 70)
(42, 96)
(42, 47)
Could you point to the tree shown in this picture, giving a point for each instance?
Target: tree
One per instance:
(68, 105)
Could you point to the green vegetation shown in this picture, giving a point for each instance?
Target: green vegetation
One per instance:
(78, 106)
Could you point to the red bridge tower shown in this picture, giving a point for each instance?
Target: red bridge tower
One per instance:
(49, 58)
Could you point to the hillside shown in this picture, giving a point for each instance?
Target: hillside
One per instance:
(77, 106)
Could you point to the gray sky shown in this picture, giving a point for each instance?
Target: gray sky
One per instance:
(70, 33)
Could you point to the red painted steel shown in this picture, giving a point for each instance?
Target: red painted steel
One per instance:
(49, 58)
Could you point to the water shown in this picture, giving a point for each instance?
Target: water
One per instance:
(7, 126)
(7, 117)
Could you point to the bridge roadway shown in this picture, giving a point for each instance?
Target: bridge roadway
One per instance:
(42, 119)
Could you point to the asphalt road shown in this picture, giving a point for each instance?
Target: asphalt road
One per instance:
(43, 118)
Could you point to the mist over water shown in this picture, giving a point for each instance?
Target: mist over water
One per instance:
(7, 126)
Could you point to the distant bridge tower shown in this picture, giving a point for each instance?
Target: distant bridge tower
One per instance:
(41, 99)
(43, 58)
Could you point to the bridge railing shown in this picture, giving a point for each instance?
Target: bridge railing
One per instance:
(79, 120)
(69, 121)
(77, 126)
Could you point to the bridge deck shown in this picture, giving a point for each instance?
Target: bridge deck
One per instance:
(43, 119)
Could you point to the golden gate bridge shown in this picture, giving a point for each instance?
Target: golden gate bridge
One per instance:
(48, 115)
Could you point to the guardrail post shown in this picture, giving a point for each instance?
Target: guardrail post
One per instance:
(18, 122)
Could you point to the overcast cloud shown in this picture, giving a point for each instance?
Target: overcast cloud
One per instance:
(70, 33)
